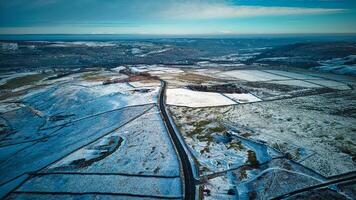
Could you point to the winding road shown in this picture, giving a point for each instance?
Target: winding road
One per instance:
(188, 177)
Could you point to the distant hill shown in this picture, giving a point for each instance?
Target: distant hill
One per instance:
(312, 50)
(335, 57)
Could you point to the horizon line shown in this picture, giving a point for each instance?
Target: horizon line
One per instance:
(168, 34)
(93, 37)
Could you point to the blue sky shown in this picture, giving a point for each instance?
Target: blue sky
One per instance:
(177, 17)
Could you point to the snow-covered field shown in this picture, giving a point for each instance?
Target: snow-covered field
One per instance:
(135, 159)
(75, 101)
(57, 142)
(314, 135)
(317, 139)
(293, 75)
(243, 98)
(331, 84)
(284, 78)
(140, 84)
(155, 69)
(77, 124)
(253, 133)
(215, 147)
(190, 98)
(146, 150)
(269, 148)
(252, 75)
(299, 83)
(114, 184)
(186, 97)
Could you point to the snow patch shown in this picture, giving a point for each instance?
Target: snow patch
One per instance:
(189, 98)
(243, 98)
(252, 75)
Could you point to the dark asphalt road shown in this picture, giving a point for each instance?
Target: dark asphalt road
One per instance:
(189, 181)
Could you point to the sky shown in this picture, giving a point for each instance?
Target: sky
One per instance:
(177, 17)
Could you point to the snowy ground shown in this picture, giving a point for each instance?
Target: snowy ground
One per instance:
(114, 184)
(295, 130)
(275, 178)
(260, 84)
(186, 97)
(189, 98)
(80, 138)
(141, 135)
(315, 137)
(110, 136)
(252, 75)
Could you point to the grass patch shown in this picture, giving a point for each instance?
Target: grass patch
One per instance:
(246, 134)
(252, 159)
(202, 169)
(243, 174)
(197, 78)
(202, 123)
(279, 147)
(94, 77)
(22, 81)
(199, 127)
(205, 150)
(235, 144)
(297, 153)
(203, 133)
(218, 129)
(6, 94)
(348, 150)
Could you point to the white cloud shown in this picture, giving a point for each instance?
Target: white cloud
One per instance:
(226, 32)
(220, 11)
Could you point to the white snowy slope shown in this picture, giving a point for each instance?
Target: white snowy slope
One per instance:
(65, 141)
(186, 97)
(146, 149)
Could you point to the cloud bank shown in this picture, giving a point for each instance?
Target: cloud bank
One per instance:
(223, 11)
(173, 16)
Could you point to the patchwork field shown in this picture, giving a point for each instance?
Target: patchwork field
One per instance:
(248, 133)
